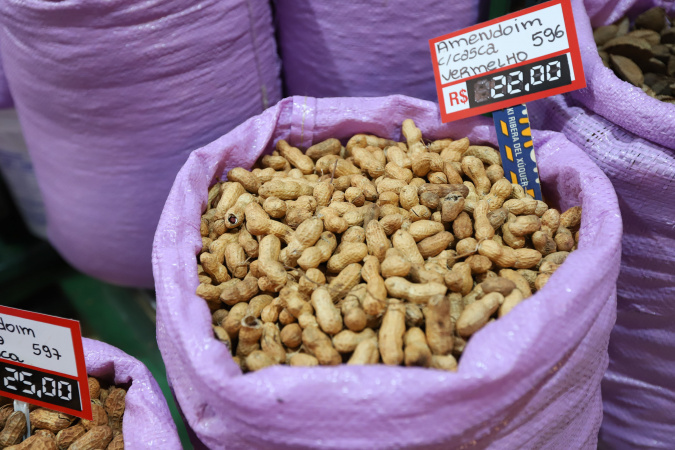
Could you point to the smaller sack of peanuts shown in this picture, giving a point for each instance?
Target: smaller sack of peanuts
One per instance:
(373, 252)
(56, 430)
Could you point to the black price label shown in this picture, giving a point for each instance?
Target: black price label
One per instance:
(512, 83)
(38, 385)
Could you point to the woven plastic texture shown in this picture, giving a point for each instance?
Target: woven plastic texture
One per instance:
(365, 48)
(638, 389)
(618, 101)
(113, 96)
(147, 421)
(529, 380)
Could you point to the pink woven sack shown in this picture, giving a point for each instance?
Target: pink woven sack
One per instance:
(365, 48)
(631, 137)
(147, 422)
(5, 96)
(529, 380)
(112, 97)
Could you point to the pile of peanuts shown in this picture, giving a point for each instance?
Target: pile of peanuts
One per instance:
(378, 251)
(52, 430)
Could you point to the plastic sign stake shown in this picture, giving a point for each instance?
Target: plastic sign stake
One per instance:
(517, 148)
(517, 58)
(42, 362)
(23, 407)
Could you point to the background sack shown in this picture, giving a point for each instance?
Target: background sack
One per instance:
(147, 421)
(365, 48)
(112, 97)
(531, 380)
(604, 12)
(631, 137)
(5, 96)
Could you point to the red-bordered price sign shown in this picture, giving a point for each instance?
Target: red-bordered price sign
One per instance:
(42, 362)
(517, 58)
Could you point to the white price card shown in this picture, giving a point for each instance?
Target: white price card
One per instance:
(520, 57)
(42, 362)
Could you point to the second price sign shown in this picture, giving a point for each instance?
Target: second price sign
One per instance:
(42, 362)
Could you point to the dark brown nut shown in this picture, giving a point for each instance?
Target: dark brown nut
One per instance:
(651, 36)
(630, 47)
(624, 26)
(652, 19)
(662, 52)
(653, 65)
(668, 36)
(602, 35)
(626, 69)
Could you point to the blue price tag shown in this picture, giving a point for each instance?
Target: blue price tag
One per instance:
(517, 148)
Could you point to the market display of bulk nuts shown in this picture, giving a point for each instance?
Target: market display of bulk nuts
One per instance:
(378, 251)
(53, 430)
(645, 56)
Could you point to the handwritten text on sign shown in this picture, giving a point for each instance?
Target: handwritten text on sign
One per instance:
(42, 361)
(516, 58)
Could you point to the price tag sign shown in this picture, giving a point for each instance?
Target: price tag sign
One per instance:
(42, 362)
(517, 58)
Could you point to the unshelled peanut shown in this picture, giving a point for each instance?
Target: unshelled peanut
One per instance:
(371, 251)
(53, 430)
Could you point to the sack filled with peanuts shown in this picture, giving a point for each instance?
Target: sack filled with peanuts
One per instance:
(128, 411)
(353, 272)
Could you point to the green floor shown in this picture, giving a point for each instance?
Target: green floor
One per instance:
(33, 277)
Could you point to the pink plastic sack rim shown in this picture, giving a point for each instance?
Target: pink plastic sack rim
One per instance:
(498, 358)
(615, 99)
(147, 422)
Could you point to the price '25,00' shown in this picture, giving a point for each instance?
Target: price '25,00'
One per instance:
(49, 387)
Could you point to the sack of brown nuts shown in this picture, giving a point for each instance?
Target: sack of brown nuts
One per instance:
(629, 135)
(128, 411)
(642, 52)
(55, 430)
(342, 256)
